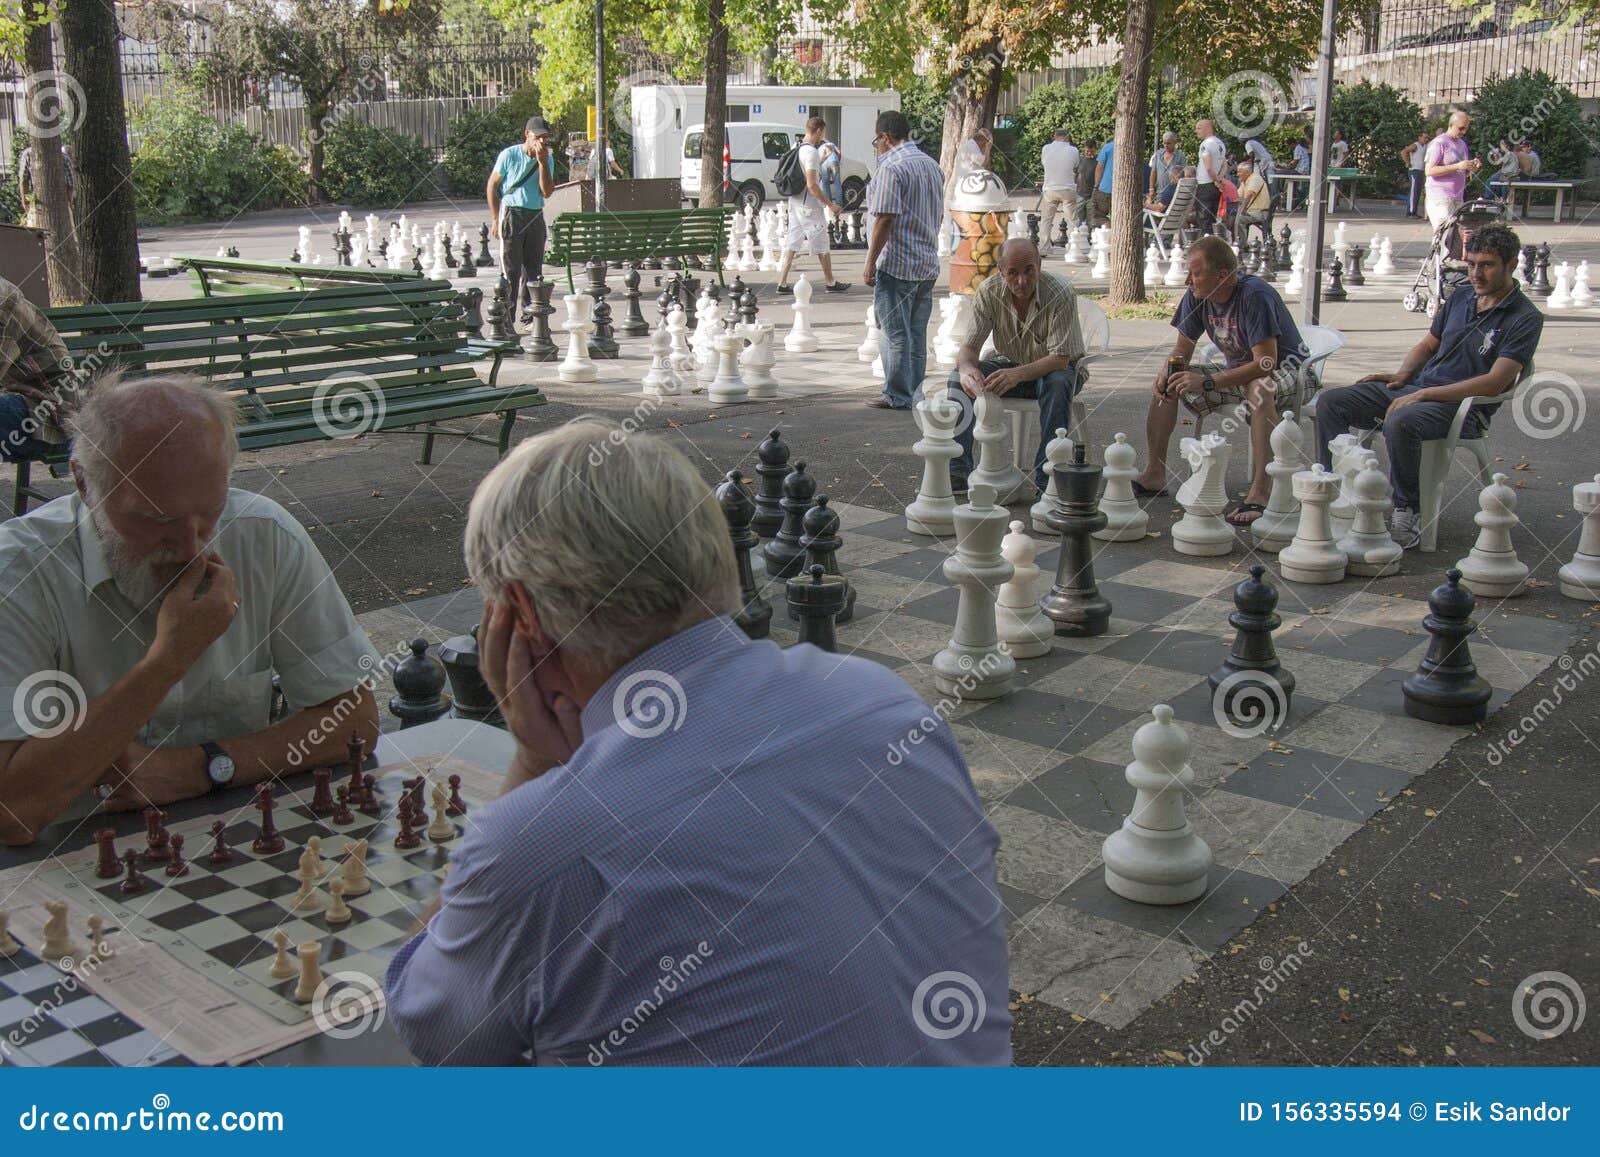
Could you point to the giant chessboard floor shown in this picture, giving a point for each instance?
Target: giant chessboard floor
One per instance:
(1049, 758)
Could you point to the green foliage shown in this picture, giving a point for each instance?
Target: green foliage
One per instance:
(923, 100)
(371, 166)
(189, 166)
(1088, 113)
(10, 199)
(473, 142)
(1378, 121)
(1533, 107)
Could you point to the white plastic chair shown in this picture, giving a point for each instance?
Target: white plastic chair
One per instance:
(1323, 342)
(1024, 412)
(1162, 228)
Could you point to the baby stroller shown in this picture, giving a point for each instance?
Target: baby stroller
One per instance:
(1443, 271)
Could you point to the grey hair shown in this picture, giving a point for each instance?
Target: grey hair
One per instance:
(615, 537)
(117, 406)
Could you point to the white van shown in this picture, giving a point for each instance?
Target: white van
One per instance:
(755, 149)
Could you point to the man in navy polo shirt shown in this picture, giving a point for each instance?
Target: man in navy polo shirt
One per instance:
(524, 175)
(1481, 342)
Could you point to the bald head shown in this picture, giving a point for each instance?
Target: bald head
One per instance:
(1459, 123)
(1202, 128)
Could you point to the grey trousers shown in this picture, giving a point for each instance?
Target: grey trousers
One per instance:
(1363, 406)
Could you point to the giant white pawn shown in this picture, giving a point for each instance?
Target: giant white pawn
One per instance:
(1313, 556)
(1102, 258)
(974, 666)
(1561, 296)
(1057, 453)
(577, 366)
(1024, 630)
(1582, 295)
(727, 386)
(1492, 568)
(1126, 520)
(1297, 272)
(437, 269)
(678, 332)
(932, 511)
(756, 362)
(801, 339)
(1275, 527)
(1580, 578)
(1080, 242)
(1152, 265)
(1201, 531)
(1345, 453)
(1156, 857)
(868, 349)
(995, 468)
(1368, 547)
(955, 312)
(1385, 265)
(660, 380)
(1177, 273)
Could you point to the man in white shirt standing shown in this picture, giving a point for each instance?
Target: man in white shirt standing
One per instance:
(1060, 160)
(807, 223)
(1210, 167)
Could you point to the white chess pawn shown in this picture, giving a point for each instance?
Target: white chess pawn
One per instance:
(747, 243)
(678, 332)
(1177, 274)
(1385, 265)
(1313, 556)
(1152, 265)
(1297, 272)
(756, 362)
(1156, 857)
(801, 339)
(660, 380)
(1202, 531)
(338, 911)
(769, 222)
(974, 666)
(1071, 254)
(727, 386)
(1126, 520)
(1024, 630)
(931, 512)
(868, 349)
(1561, 296)
(995, 468)
(1580, 578)
(437, 269)
(307, 246)
(1345, 453)
(1339, 235)
(957, 316)
(1057, 453)
(577, 366)
(1080, 241)
(1102, 258)
(1492, 568)
(1275, 527)
(1370, 550)
(1582, 295)
(358, 251)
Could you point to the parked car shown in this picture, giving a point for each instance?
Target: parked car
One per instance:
(1449, 34)
(755, 148)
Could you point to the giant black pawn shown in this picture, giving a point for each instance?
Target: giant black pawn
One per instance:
(602, 344)
(688, 295)
(1269, 261)
(419, 685)
(1356, 276)
(1284, 237)
(472, 309)
(468, 267)
(784, 554)
(737, 292)
(1075, 604)
(540, 347)
(747, 307)
(664, 302)
(821, 542)
(1252, 258)
(1254, 687)
(1447, 687)
(1334, 291)
(772, 467)
(483, 248)
(815, 598)
(634, 325)
(754, 616)
(499, 316)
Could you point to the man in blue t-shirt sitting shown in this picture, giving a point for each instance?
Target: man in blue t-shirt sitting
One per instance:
(1262, 360)
(1481, 342)
(524, 175)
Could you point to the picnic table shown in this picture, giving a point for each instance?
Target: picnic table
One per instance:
(1339, 181)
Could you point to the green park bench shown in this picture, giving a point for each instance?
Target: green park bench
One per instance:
(640, 235)
(304, 365)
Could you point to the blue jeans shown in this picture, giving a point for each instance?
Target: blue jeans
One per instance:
(15, 445)
(903, 308)
(832, 183)
(1054, 391)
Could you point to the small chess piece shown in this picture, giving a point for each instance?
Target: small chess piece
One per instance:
(8, 942)
(282, 967)
(457, 806)
(310, 954)
(98, 948)
(59, 948)
(338, 911)
(342, 815)
(176, 864)
(353, 871)
(441, 829)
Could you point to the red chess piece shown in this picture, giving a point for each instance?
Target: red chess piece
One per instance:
(407, 838)
(269, 841)
(369, 796)
(457, 806)
(155, 835)
(322, 796)
(342, 814)
(108, 868)
(419, 811)
(220, 852)
(354, 786)
(176, 865)
(134, 884)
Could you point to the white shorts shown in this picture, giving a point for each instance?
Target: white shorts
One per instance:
(808, 226)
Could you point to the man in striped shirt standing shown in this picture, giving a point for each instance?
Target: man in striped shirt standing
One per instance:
(906, 203)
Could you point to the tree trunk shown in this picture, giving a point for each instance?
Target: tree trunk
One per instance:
(974, 99)
(1127, 164)
(52, 194)
(316, 131)
(716, 118)
(108, 230)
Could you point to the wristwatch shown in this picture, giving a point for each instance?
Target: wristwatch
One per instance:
(1208, 384)
(219, 765)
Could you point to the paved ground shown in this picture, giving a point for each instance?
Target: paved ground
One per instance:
(1420, 926)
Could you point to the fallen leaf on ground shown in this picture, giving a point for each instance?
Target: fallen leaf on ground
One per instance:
(1482, 1037)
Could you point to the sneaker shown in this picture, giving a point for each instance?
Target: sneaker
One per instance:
(837, 287)
(785, 289)
(1407, 529)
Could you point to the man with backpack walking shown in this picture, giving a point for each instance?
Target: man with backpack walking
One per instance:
(799, 179)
